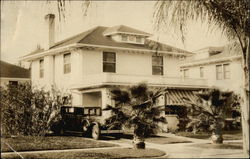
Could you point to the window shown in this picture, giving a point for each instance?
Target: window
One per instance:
(13, 83)
(157, 65)
(138, 39)
(219, 72)
(131, 38)
(66, 63)
(186, 73)
(109, 62)
(41, 68)
(124, 38)
(226, 69)
(201, 72)
(222, 71)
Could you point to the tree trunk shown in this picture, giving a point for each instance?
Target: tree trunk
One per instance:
(138, 142)
(216, 137)
(245, 103)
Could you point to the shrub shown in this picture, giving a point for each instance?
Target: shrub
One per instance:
(28, 111)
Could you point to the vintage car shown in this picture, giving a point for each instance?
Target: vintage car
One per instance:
(85, 120)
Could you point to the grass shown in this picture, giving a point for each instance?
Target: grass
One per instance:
(227, 135)
(31, 143)
(229, 145)
(104, 154)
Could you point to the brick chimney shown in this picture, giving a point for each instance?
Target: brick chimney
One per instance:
(50, 22)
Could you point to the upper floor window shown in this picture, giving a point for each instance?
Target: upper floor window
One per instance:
(138, 39)
(41, 68)
(186, 73)
(219, 72)
(66, 63)
(157, 65)
(222, 71)
(124, 38)
(201, 72)
(109, 62)
(226, 69)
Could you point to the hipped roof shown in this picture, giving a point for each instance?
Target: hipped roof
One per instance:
(95, 36)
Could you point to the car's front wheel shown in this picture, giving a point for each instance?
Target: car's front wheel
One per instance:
(96, 132)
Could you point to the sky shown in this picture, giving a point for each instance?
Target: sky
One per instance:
(23, 26)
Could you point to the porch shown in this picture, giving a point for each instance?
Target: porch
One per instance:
(104, 79)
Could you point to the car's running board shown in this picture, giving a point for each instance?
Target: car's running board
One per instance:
(111, 131)
(74, 132)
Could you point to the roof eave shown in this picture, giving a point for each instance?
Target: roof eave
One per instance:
(209, 61)
(47, 52)
(76, 45)
(132, 49)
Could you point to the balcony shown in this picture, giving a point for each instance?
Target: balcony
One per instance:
(151, 80)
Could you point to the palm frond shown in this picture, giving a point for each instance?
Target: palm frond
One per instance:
(121, 97)
(232, 17)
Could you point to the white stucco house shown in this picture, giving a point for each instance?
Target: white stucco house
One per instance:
(220, 66)
(12, 75)
(88, 65)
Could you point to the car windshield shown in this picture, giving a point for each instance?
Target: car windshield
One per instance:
(92, 111)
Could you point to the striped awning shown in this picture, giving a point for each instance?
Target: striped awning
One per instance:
(175, 97)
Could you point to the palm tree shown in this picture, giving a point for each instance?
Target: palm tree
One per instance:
(211, 107)
(232, 17)
(136, 108)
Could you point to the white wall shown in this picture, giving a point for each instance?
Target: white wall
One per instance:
(233, 84)
(92, 99)
(89, 62)
(133, 63)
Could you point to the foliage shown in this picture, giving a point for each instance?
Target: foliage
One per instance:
(136, 108)
(232, 17)
(28, 111)
(210, 109)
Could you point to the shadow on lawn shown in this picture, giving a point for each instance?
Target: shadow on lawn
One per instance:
(153, 139)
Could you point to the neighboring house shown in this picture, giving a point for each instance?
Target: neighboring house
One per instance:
(91, 63)
(220, 66)
(12, 74)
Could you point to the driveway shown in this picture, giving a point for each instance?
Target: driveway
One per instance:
(186, 150)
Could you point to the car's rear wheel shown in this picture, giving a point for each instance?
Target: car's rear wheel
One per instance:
(96, 132)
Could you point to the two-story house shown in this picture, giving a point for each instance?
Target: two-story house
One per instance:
(91, 63)
(220, 66)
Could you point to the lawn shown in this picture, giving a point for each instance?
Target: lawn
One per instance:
(31, 143)
(227, 135)
(93, 154)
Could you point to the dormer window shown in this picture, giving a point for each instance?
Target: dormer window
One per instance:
(126, 34)
(131, 38)
(124, 38)
(138, 39)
